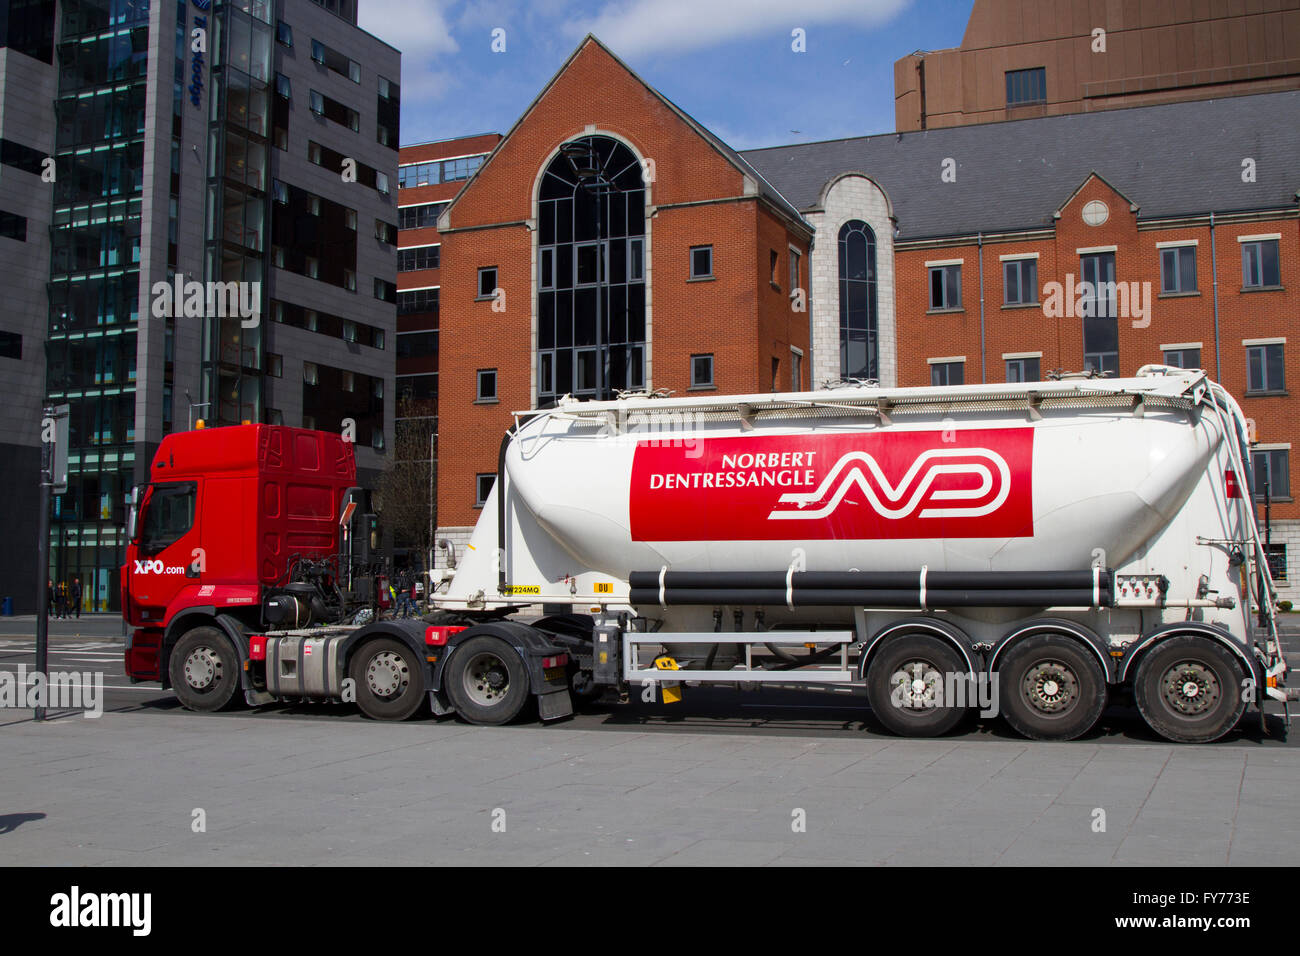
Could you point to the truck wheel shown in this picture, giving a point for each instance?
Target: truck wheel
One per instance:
(388, 679)
(1188, 690)
(487, 681)
(204, 670)
(1050, 688)
(905, 685)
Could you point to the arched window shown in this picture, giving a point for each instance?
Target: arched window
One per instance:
(591, 272)
(859, 349)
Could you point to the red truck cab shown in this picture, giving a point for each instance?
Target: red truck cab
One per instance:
(224, 513)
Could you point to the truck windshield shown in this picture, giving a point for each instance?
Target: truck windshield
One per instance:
(168, 515)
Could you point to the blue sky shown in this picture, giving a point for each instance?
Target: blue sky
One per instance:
(729, 63)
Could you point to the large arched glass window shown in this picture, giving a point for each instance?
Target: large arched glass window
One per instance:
(591, 272)
(859, 350)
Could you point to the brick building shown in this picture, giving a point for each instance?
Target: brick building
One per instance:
(429, 177)
(1024, 58)
(609, 242)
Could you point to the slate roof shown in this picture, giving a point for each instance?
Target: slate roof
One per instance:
(1170, 160)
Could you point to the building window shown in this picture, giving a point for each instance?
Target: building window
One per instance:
(487, 385)
(1272, 467)
(273, 416)
(1276, 555)
(945, 288)
(381, 183)
(796, 370)
(1026, 87)
(701, 262)
(284, 34)
(317, 102)
(702, 371)
(1178, 269)
(1024, 370)
(795, 284)
(439, 171)
(418, 257)
(1265, 368)
(1100, 325)
(274, 365)
(483, 488)
(385, 232)
(11, 345)
(591, 300)
(421, 216)
(282, 86)
(487, 282)
(1183, 358)
(310, 374)
(1259, 264)
(546, 278)
(947, 373)
(636, 259)
(773, 260)
(13, 226)
(1020, 282)
(859, 348)
(414, 301)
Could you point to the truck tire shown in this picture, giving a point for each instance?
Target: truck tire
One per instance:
(487, 681)
(204, 670)
(905, 683)
(1051, 688)
(388, 678)
(1188, 690)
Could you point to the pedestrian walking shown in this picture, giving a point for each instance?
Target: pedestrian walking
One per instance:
(61, 599)
(76, 596)
(49, 597)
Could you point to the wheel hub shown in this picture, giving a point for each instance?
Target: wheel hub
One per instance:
(203, 668)
(1051, 687)
(1190, 688)
(487, 681)
(916, 685)
(387, 674)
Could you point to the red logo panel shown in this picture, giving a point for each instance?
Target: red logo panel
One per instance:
(859, 486)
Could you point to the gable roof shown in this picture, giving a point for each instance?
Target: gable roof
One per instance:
(765, 189)
(1170, 160)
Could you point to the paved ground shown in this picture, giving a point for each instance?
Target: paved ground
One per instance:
(719, 779)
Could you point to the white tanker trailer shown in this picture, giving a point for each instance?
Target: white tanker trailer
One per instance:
(1055, 542)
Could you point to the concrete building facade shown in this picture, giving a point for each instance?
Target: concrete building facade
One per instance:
(222, 243)
(1021, 58)
(27, 84)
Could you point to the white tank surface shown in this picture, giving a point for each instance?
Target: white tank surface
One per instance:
(1043, 476)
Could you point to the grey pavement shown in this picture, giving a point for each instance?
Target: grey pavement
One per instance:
(127, 789)
(720, 778)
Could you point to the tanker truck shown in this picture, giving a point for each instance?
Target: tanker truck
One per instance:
(1034, 550)
(1047, 546)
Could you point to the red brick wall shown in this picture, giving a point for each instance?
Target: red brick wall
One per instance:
(1173, 319)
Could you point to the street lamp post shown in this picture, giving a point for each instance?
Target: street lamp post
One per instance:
(194, 405)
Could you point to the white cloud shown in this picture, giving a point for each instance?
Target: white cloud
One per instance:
(631, 27)
(419, 29)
